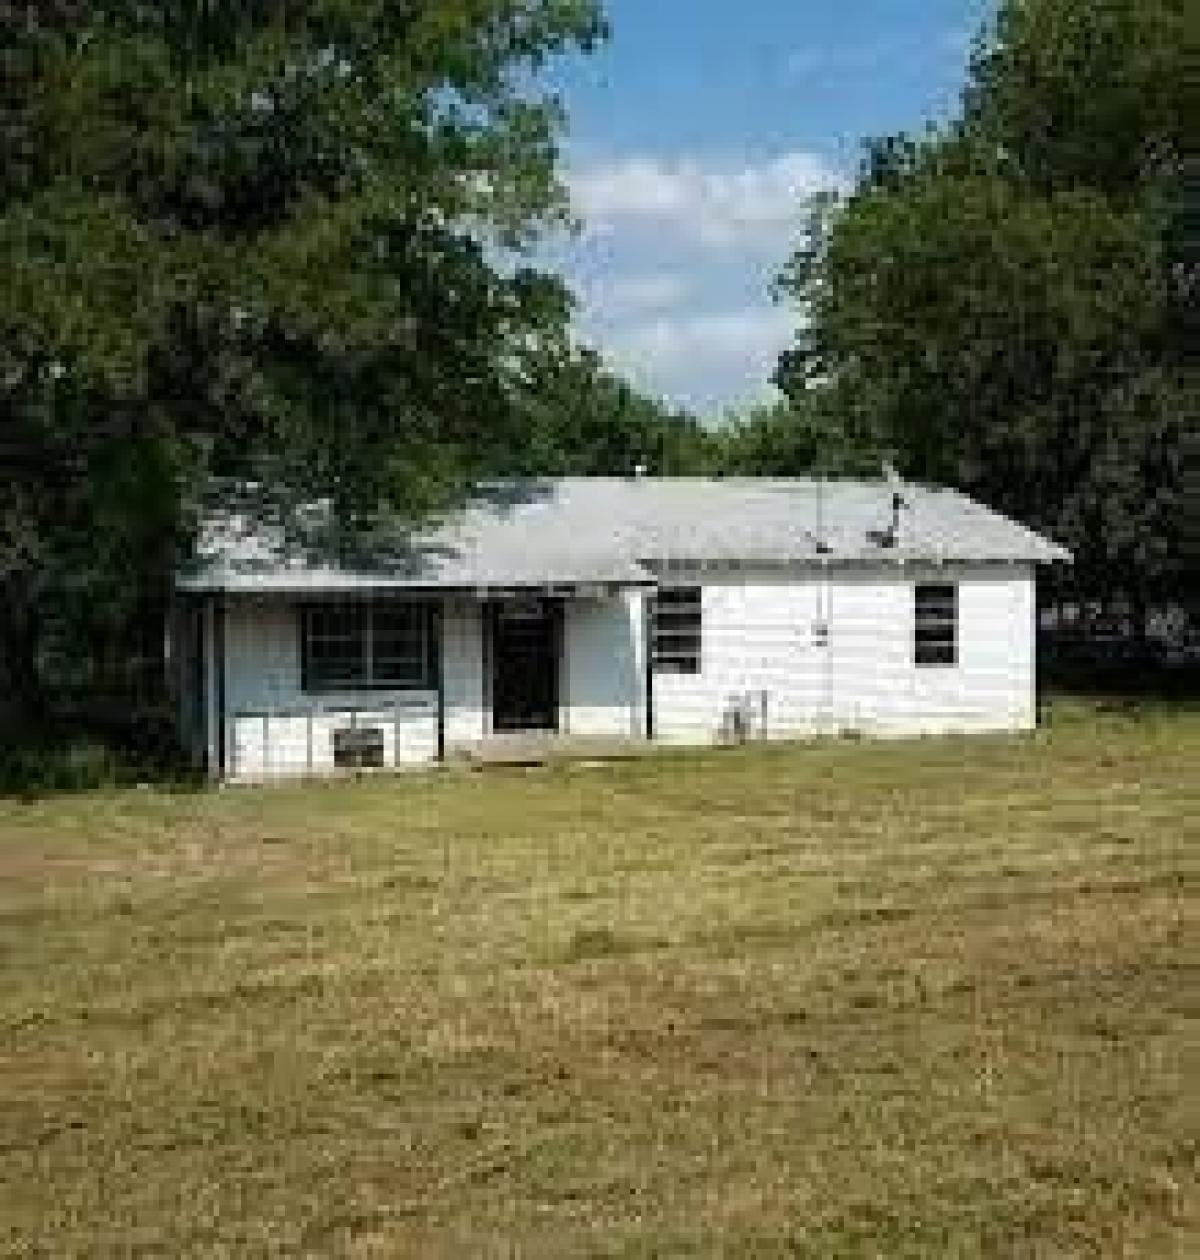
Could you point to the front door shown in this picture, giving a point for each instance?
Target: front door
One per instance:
(525, 642)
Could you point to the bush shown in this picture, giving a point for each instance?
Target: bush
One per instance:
(58, 769)
(87, 762)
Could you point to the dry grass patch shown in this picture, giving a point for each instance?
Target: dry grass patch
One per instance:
(907, 1000)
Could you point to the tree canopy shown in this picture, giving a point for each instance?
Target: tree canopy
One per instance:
(583, 419)
(1003, 303)
(257, 239)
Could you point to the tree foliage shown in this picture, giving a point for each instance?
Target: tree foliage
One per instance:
(255, 238)
(582, 419)
(799, 437)
(1005, 303)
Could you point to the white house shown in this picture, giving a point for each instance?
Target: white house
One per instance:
(678, 610)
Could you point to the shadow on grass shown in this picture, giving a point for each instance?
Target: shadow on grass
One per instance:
(1126, 683)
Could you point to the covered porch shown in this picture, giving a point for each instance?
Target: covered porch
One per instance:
(312, 682)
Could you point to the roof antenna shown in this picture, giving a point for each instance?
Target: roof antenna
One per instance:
(890, 537)
(823, 547)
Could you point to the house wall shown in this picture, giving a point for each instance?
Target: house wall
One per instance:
(761, 654)
(603, 672)
(878, 689)
(462, 672)
(756, 638)
(273, 728)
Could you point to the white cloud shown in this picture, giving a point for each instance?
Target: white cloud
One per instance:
(715, 203)
(706, 359)
(632, 294)
(673, 271)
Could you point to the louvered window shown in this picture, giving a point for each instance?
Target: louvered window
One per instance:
(677, 627)
(935, 639)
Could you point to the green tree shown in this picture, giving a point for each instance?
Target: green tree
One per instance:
(806, 435)
(582, 419)
(260, 239)
(1004, 302)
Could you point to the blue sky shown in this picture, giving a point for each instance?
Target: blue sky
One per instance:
(694, 136)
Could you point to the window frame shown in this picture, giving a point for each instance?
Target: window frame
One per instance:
(681, 624)
(935, 636)
(367, 678)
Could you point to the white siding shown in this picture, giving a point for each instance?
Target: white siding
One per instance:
(603, 672)
(761, 654)
(879, 690)
(273, 728)
(759, 636)
(756, 637)
(462, 672)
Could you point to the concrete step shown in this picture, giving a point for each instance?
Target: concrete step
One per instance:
(539, 750)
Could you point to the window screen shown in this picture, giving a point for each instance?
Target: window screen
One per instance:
(935, 639)
(335, 646)
(677, 631)
(354, 646)
(399, 645)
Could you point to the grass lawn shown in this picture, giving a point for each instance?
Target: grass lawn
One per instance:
(926, 999)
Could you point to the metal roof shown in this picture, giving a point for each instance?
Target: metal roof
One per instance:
(621, 531)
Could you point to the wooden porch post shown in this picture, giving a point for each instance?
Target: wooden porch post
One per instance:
(212, 716)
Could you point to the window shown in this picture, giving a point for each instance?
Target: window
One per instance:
(367, 646)
(676, 629)
(935, 640)
(400, 644)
